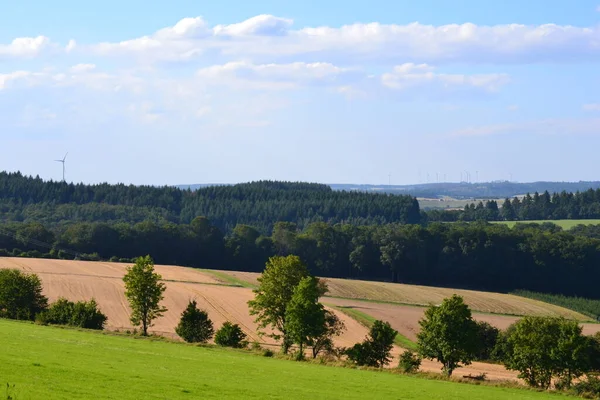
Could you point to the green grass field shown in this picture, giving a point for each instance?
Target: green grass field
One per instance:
(54, 363)
(368, 321)
(566, 224)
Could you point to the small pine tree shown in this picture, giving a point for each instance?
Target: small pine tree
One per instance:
(231, 335)
(194, 325)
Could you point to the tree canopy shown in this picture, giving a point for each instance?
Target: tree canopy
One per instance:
(144, 291)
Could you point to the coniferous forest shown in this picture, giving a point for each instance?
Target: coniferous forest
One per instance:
(337, 234)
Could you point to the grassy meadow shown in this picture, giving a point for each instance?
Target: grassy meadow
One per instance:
(55, 363)
(566, 224)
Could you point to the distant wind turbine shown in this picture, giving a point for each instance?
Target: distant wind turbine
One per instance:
(63, 165)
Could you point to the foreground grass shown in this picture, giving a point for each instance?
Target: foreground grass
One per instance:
(54, 363)
(566, 224)
(588, 307)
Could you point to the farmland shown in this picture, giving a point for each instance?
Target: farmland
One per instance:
(415, 295)
(566, 224)
(223, 295)
(55, 363)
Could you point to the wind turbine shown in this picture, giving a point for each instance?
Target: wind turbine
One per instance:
(63, 163)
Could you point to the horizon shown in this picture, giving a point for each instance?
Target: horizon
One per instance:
(182, 185)
(392, 92)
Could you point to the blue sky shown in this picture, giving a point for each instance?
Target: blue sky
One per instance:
(321, 91)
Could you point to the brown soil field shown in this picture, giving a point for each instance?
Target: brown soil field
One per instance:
(485, 302)
(405, 319)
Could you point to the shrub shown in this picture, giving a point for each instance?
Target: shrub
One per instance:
(589, 388)
(20, 295)
(268, 353)
(231, 335)
(375, 350)
(540, 348)
(87, 315)
(81, 314)
(409, 362)
(487, 337)
(194, 325)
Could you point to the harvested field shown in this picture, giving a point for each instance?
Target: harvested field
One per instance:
(405, 319)
(82, 280)
(486, 302)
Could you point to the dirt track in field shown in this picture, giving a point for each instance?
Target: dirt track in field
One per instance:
(81, 280)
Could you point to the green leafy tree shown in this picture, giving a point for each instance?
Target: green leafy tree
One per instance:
(231, 335)
(20, 295)
(448, 334)
(540, 348)
(382, 337)
(144, 291)
(274, 293)
(305, 316)
(324, 342)
(375, 350)
(194, 325)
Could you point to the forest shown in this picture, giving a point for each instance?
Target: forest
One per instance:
(481, 256)
(260, 204)
(337, 234)
(579, 205)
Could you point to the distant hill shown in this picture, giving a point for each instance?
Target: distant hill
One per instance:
(480, 190)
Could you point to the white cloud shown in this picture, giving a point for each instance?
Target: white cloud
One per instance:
(71, 46)
(6, 79)
(83, 68)
(512, 107)
(553, 126)
(409, 75)
(275, 76)
(24, 47)
(263, 24)
(266, 38)
(592, 107)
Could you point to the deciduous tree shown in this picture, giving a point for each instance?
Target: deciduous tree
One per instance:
(274, 293)
(448, 334)
(144, 291)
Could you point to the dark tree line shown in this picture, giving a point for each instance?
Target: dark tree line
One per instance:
(468, 255)
(579, 205)
(260, 204)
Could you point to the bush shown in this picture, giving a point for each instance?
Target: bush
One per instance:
(542, 348)
(590, 387)
(268, 353)
(487, 336)
(375, 350)
(81, 314)
(409, 362)
(20, 295)
(195, 326)
(231, 335)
